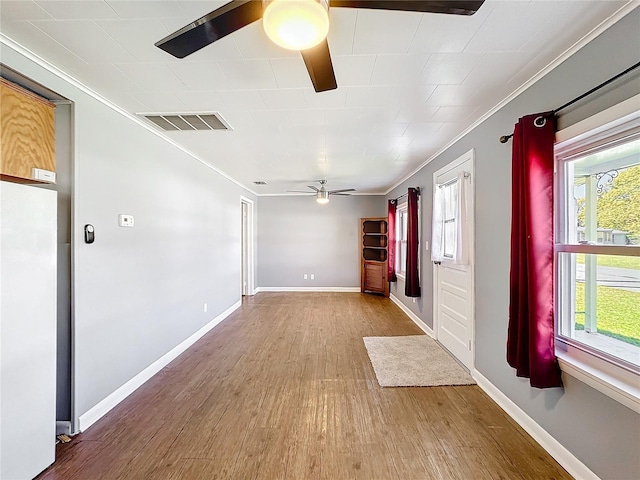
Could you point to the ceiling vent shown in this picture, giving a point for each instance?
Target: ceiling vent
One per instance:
(188, 121)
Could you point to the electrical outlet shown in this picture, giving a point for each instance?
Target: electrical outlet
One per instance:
(426, 245)
(313, 276)
(305, 276)
(206, 307)
(125, 220)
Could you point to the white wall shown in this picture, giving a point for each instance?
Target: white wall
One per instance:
(139, 292)
(297, 235)
(600, 432)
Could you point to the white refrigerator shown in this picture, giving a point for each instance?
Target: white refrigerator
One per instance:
(27, 330)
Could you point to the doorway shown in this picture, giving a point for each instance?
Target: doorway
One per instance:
(247, 286)
(453, 273)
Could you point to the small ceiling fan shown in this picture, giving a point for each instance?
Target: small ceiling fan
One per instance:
(295, 24)
(322, 194)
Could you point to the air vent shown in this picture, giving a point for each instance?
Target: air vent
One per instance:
(260, 182)
(188, 121)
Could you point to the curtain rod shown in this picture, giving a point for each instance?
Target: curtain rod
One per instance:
(505, 138)
(404, 195)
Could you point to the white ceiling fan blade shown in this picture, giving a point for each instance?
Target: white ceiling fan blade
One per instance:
(333, 192)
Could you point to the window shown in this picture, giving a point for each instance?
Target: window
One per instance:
(598, 252)
(450, 197)
(401, 239)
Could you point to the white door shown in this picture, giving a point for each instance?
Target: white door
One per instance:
(453, 278)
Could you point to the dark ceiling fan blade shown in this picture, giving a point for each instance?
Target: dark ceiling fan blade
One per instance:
(315, 189)
(319, 66)
(213, 26)
(336, 192)
(456, 7)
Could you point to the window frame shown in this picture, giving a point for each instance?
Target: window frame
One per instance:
(609, 375)
(401, 238)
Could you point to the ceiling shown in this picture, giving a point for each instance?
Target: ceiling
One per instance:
(408, 83)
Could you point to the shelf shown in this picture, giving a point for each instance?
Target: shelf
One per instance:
(374, 226)
(375, 254)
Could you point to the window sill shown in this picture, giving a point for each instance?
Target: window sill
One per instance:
(400, 276)
(611, 380)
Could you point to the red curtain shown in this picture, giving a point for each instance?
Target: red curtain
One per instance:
(412, 280)
(391, 235)
(530, 342)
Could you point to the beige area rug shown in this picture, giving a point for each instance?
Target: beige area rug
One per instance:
(414, 361)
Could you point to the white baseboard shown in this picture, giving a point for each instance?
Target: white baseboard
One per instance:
(421, 325)
(563, 456)
(103, 407)
(63, 427)
(308, 289)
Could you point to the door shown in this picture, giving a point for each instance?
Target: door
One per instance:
(453, 271)
(374, 278)
(247, 275)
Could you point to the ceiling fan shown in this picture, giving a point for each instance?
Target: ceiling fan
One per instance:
(322, 194)
(295, 24)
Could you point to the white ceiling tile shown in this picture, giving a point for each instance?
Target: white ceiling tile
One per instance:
(367, 96)
(249, 74)
(398, 69)
(254, 43)
(291, 73)
(138, 37)
(203, 101)
(451, 114)
(146, 8)
(495, 69)
(241, 121)
(160, 102)
(353, 69)
(200, 8)
(452, 95)
(153, 77)
(504, 30)
(342, 30)
(448, 33)
(86, 39)
(286, 99)
(306, 118)
(242, 100)
(330, 99)
(223, 49)
(449, 68)
(420, 113)
(201, 75)
(418, 131)
(31, 37)
(381, 31)
(271, 120)
(105, 78)
(411, 96)
(74, 10)
(19, 10)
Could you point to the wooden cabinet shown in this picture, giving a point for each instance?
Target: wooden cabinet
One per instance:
(27, 135)
(373, 255)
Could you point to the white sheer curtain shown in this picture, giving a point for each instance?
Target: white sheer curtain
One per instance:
(461, 255)
(450, 225)
(437, 231)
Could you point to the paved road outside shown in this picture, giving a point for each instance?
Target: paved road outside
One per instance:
(622, 278)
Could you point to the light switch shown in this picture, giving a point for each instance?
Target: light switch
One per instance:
(426, 245)
(125, 220)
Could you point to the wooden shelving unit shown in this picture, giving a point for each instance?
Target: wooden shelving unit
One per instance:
(373, 255)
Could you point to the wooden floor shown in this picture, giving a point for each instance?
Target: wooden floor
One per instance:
(283, 389)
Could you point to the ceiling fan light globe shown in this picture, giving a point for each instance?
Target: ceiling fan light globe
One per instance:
(322, 196)
(296, 24)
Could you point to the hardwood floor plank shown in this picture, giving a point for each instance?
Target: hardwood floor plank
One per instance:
(283, 389)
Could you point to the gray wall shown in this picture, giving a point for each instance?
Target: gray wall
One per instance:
(140, 291)
(599, 431)
(296, 235)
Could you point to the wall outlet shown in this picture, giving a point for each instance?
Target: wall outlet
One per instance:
(313, 276)
(305, 276)
(206, 307)
(426, 245)
(125, 220)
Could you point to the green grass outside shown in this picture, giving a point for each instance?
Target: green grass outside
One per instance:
(618, 313)
(613, 261)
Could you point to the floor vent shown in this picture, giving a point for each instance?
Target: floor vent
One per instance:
(188, 121)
